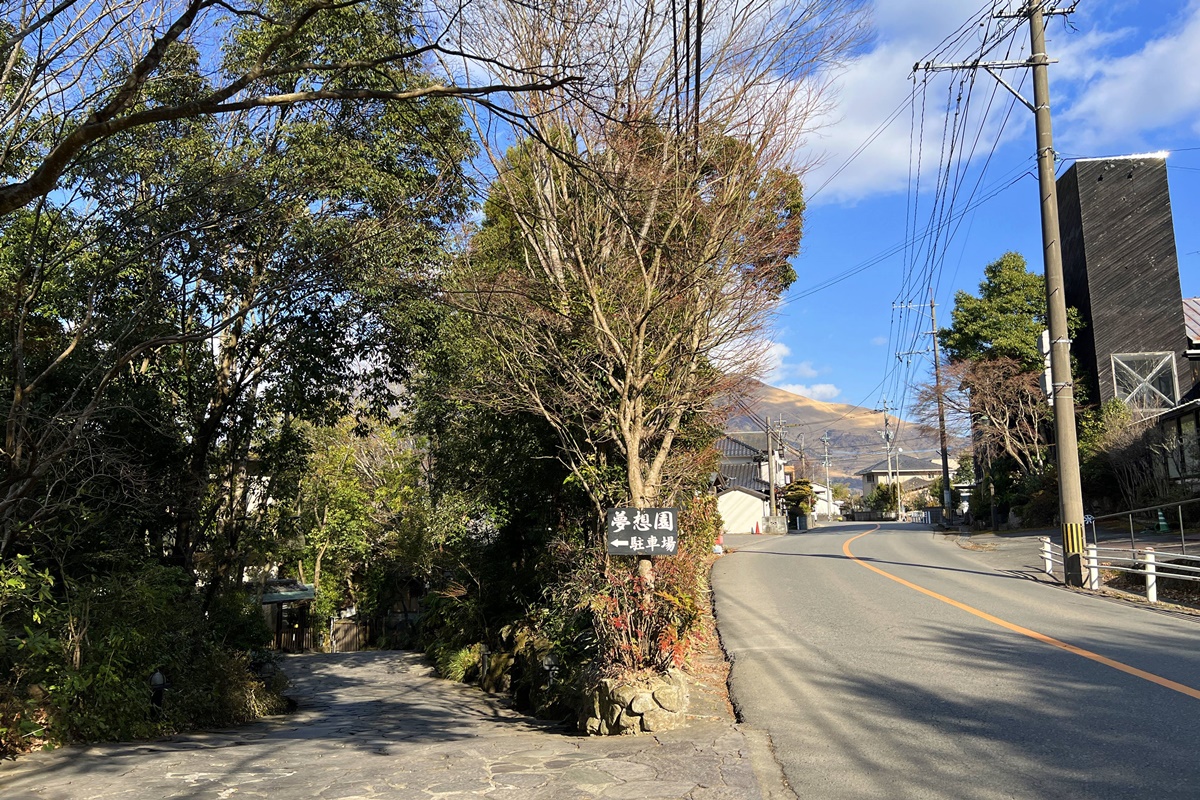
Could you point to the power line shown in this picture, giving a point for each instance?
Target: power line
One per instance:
(879, 258)
(961, 134)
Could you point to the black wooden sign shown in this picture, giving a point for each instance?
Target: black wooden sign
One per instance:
(642, 531)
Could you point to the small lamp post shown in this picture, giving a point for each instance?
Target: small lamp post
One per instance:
(158, 686)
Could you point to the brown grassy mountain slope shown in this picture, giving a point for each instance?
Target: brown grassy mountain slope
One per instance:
(853, 431)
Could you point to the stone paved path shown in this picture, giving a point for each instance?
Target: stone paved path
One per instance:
(379, 725)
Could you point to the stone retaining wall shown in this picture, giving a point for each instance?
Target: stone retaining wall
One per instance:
(644, 706)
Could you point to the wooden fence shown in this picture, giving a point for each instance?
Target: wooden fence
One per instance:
(294, 639)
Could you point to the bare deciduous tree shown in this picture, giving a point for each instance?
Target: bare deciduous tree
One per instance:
(999, 401)
(638, 236)
(1138, 452)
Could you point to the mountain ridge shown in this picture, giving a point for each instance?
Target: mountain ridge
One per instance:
(854, 432)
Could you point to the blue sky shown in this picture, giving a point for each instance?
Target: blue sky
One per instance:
(1127, 81)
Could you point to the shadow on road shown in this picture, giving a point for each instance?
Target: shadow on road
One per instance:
(964, 712)
(363, 705)
(870, 560)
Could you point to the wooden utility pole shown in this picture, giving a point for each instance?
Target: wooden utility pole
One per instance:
(941, 406)
(886, 433)
(1066, 447)
(1070, 489)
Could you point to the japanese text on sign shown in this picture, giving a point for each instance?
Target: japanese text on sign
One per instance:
(642, 531)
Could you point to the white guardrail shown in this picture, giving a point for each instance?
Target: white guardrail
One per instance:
(1138, 562)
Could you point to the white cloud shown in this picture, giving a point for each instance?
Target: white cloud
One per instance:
(804, 369)
(776, 353)
(1125, 81)
(1120, 102)
(874, 85)
(780, 370)
(817, 391)
(879, 341)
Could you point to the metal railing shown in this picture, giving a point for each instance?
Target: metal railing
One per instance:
(1138, 562)
(1156, 515)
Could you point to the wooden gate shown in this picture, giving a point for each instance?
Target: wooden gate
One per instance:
(349, 637)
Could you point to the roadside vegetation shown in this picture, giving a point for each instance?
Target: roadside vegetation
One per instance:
(995, 404)
(280, 299)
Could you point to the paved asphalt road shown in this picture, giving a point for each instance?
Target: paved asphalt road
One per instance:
(873, 688)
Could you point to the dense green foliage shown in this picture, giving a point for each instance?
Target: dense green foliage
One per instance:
(1004, 321)
(995, 365)
(883, 497)
(199, 324)
(800, 499)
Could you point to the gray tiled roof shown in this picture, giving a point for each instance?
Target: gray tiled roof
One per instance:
(755, 439)
(744, 475)
(902, 463)
(736, 448)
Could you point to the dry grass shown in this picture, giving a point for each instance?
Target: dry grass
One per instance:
(1170, 590)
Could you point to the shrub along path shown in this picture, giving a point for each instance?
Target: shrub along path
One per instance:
(380, 725)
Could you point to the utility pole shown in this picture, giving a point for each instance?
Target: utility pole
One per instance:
(886, 433)
(1066, 448)
(771, 467)
(941, 406)
(1070, 489)
(828, 485)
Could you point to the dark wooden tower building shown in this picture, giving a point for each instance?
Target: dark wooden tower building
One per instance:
(1121, 272)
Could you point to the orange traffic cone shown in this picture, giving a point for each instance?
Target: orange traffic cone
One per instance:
(757, 532)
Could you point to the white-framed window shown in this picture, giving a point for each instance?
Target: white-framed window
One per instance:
(1145, 381)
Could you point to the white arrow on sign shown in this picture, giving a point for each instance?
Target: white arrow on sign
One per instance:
(619, 543)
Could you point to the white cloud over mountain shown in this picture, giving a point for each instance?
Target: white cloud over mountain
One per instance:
(817, 391)
(780, 370)
(782, 374)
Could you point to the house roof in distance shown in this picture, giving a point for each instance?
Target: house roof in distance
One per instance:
(742, 490)
(904, 464)
(744, 475)
(737, 447)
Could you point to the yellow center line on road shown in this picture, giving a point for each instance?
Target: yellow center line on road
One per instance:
(1041, 637)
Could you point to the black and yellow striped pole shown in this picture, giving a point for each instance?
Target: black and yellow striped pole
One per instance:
(1073, 545)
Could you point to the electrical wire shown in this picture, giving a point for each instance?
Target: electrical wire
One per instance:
(961, 134)
(933, 219)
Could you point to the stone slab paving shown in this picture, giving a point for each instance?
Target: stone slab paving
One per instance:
(380, 725)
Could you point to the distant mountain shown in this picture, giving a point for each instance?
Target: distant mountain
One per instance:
(853, 431)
